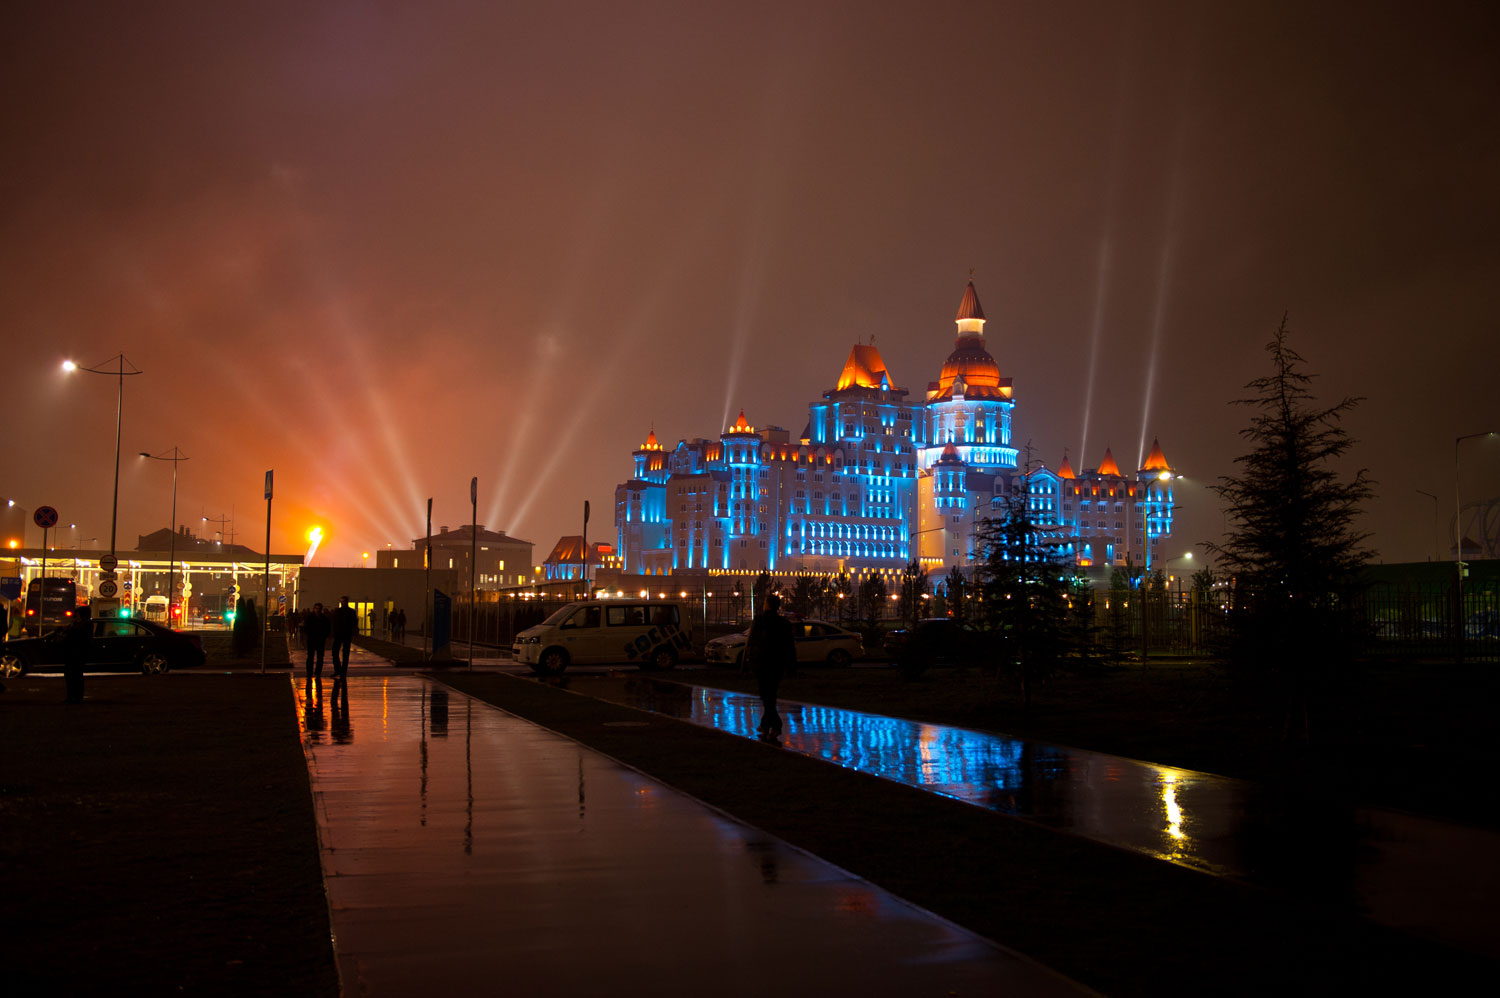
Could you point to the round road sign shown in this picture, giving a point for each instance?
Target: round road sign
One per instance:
(128, 586)
(107, 589)
(108, 563)
(44, 517)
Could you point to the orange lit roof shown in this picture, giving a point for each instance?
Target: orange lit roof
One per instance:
(1156, 460)
(741, 425)
(651, 443)
(1066, 471)
(1108, 466)
(949, 455)
(863, 369)
(969, 308)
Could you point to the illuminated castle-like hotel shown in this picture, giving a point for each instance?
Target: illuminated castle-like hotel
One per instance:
(876, 480)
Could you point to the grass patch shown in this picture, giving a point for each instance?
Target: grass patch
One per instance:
(218, 649)
(158, 839)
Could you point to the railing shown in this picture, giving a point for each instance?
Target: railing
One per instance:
(1407, 625)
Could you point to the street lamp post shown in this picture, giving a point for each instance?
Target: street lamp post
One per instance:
(1182, 557)
(119, 372)
(176, 457)
(1434, 522)
(1458, 537)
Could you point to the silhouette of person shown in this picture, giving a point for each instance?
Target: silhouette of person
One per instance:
(78, 641)
(345, 623)
(400, 624)
(771, 651)
(315, 630)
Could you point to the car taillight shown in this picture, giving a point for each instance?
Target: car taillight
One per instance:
(67, 613)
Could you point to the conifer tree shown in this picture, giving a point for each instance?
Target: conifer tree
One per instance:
(1025, 593)
(1293, 551)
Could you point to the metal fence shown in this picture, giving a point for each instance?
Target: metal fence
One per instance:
(1416, 624)
(1425, 625)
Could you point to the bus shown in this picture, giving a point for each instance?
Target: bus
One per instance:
(50, 604)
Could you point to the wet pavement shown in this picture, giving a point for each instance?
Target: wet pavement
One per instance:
(467, 850)
(1420, 875)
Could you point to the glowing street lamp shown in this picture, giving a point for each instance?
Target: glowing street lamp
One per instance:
(119, 372)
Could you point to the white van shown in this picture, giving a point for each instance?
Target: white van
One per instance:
(648, 633)
(155, 609)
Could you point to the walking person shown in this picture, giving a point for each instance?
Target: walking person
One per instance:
(345, 623)
(77, 641)
(771, 652)
(315, 631)
(400, 626)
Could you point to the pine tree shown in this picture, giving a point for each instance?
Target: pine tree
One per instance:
(1293, 550)
(1025, 593)
(913, 588)
(843, 586)
(956, 590)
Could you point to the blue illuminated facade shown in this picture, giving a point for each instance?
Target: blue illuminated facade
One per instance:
(875, 481)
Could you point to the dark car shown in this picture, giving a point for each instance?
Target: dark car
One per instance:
(119, 643)
(933, 640)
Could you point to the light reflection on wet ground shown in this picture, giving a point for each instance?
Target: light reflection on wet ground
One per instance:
(466, 850)
(1413, 873)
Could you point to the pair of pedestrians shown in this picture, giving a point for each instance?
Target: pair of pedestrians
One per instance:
(319, 625)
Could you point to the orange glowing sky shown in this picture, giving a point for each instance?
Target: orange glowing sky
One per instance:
(382, 248)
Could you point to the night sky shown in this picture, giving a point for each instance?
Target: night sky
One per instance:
(382, 248)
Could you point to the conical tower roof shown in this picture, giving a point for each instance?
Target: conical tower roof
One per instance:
(969, 307)
(1156, 460)
(1108, 466)
(949, 455)
(1066, 469)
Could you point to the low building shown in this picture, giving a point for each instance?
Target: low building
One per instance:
(503, 562)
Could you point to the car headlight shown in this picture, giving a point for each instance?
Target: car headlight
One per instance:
(531, 639)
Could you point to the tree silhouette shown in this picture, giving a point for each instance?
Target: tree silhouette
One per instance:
(1025, 592)
(1293, 550)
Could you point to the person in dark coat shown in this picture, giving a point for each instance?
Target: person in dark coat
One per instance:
(315, 630)
(771, 651)
(345, 623)
(77, 642)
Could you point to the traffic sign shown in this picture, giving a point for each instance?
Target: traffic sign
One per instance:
(187, 589)
(128, 585)
(107, 589)
(108, 563)
(44, 517)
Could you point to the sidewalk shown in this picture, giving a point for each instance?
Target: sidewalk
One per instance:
(463, 846)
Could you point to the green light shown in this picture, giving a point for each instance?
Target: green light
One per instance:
(124, 611)
(229, 617)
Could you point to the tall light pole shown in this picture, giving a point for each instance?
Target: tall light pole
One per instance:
(1434, 522)
(176, 457)
(1181, 557)
(1458, 536)
(119, 372)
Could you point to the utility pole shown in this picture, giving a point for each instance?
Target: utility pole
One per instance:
(473, 560)
(265, 611)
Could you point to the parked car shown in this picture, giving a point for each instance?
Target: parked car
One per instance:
(648, 633)
(933, 640)
(119, 643)
(817, 641)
